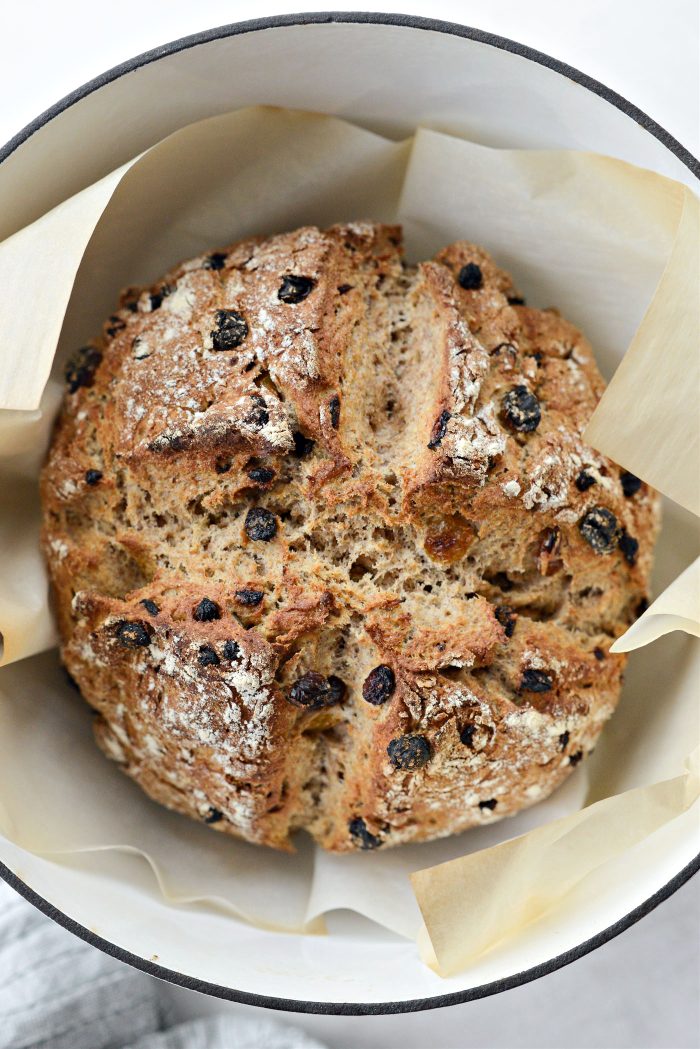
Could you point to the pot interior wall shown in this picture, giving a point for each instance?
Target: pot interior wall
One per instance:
(388, 78)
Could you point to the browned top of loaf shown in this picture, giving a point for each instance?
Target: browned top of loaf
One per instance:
(409, 441)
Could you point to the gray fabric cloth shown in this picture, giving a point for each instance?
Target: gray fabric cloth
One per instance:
(57, 992)
(222, 1032)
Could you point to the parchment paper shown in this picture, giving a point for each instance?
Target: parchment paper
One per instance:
(655, 389)
(514, 887)
(592, 235)
(678, 608)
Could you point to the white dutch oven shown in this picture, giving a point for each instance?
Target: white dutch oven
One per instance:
(388, 73)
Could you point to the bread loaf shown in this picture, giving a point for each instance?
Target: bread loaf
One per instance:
(327, 548)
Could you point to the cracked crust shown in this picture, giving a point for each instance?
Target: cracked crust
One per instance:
(367, 466)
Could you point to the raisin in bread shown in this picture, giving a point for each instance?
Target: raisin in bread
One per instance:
(327, 548)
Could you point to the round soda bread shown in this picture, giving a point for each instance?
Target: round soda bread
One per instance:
(327, 548)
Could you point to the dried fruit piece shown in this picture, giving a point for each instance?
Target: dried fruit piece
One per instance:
(466, 734)
(548, 560)
(232, 650)
(258, 416)
(507, 617)
(116, 325)
(93, 477)
(379, 685)
(260, 524)
(294, 289)
(312, 691)
(81, 368)
(550, 540)
(599, 528)
(249, 598)
(439, 429)
(490, 804)
(449, 539)
(629, 546)
(150, 606)
(303, 446)
(133, 634)
(207, 657)
(470, 277)
(358, 831)
(231, 329)
(536, 681)
(156, 299)
(206, 611)
(584, 481)
(334, 411)
(521, 409)
(409, 752)
(215, 261)
(261, 474)
(630, 484)
(213, 816)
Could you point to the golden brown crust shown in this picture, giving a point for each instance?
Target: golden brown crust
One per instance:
(326, 547)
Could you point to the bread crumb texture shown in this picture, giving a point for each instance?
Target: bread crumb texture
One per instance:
(327, 548)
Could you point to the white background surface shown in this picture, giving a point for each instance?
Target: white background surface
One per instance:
(641, 990)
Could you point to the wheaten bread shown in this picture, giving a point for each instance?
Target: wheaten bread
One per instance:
(327, 549)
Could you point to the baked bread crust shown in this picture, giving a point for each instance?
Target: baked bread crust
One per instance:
(326, 547)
